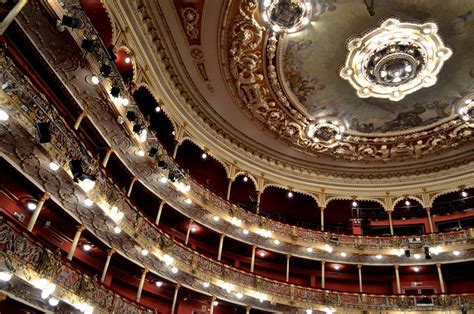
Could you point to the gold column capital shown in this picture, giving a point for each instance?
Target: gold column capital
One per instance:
(178, 285)
(145, 270)
(359, 266)
(111, 251)
(396, 266)
(45, 197)
(81, 228)
(323, 261)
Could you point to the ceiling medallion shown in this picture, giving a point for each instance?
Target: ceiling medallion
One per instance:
(286, 15)
(395, 59)
(466, 111)
(326, 130)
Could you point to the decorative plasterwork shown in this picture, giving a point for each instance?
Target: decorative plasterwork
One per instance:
(286, 15)
(248, 157)
(395, 59)
(260, 92)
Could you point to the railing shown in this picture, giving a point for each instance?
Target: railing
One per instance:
(19, 250)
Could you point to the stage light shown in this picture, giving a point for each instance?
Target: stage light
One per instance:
(115, 91)
(427, 253)
(88, 45)
(105, 70)
(407, 253)
(44, 134)
(131, 116)
(71, 22)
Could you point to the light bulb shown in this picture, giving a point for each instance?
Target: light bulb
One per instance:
(88, 202)
(31, 206)
(309, 249)
(245, 231)
(354, 204)
(290, 194)
(4, 115)
(204, 156)
(117, 229)
(464, 194)
(343, 254)
(188, 201)
(206, 284)
(87, 184)
(276, 242)
(144, 252)
(163, 179)
(94, 80)
(215, 218)
(159, 283)
(416, 269)
(417, 256)
(193, 229)
(174, 270)
(87, 247)
(407, 203)
(246, 178)
(140, 153)
(53, 166)
(157, 109)
(378, 256)
(215, 303)
(127, 60)
(239, 295)
(456, 253)
(53, 301)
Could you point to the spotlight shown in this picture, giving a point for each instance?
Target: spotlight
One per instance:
(427, 253)
(88, 45)
(115, 91)
(290, 194)
(246, 178)
(87, 247)
(131, 116)
(44, 134)
(105, 70)
(157, 109)
(152, 151)
(88, 202)
(117, 229)
(464, 194)
(162, 164)
(159, 283)
(71, 22)
(204, 156)
(354, 204)
(407, 253)
(3, 115)
(128, 60)
(137, 128)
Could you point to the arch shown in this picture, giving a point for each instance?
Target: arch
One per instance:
(410, 197)
(98, 14)
(343, 198)
(452, 190)
(250, 176)
(133, 62)
(209, 153)
(314, 197)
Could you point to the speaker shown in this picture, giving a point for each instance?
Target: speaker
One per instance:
(76, 168)
(407, 253)
(44, 135)
(71, 22)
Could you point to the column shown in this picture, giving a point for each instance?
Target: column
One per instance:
(189, 231)
(359, 266)
(390, 222)
(397, 278)
(175, 297)
(160, 209)
(430, 222)
(221, 245)
(259, 194)
(37, 211)
(129, 192)
(247, 309)
(229, 187)
(288, 256)
(322, 218)
(75, 241)
(79, 120)
(107, 157)
(175, 151)
(323, 280)
(107, 263)
(140, 286)
(211, 310)
(440, 275)
(252, 262)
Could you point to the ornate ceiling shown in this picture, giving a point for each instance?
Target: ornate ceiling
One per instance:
(273, 103)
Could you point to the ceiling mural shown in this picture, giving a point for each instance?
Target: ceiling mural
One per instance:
(311, 60)
(293, 78)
